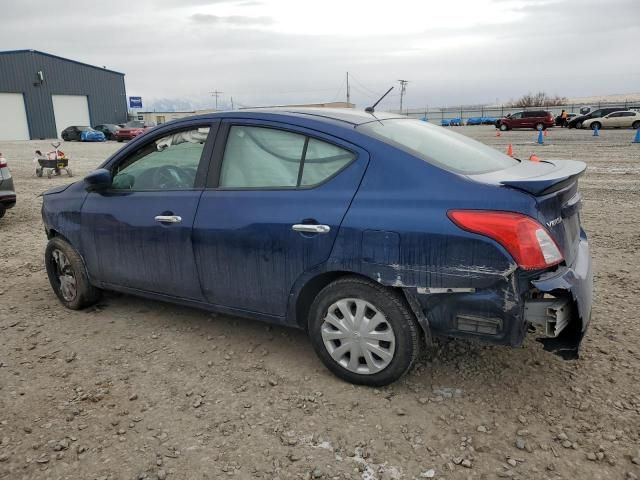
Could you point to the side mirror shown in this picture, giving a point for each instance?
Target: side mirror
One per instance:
(98, 179)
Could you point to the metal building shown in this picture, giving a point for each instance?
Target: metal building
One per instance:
(42, 94)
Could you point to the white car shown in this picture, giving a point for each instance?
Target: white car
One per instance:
(623, 119)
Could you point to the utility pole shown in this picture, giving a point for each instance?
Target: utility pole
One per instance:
(403, 89)
(216, 94)
(348, 92)
(231, 103)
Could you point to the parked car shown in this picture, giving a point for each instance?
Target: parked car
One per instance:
(132, 129)
(536, 119)
(578, 120)
(91, 135)
(108, 129)
(7, 191)
(624, 119)
(74, 132)
(372, 233)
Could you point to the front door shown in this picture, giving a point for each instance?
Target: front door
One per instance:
(137, 234)
(279, 195)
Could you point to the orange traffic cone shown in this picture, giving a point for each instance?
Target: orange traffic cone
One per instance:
(510, 150)
(544, 132)
(497, 132)
(534, 158)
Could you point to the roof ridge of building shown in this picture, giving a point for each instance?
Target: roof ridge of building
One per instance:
(30, 50)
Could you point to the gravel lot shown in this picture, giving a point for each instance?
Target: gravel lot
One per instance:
(138, 389)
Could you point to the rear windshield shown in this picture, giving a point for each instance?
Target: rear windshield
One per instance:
(439, 146)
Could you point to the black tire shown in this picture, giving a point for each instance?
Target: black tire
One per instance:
(85, 294)
(636, 125)
(578, 124)
(595, 125)
(398, 316)
(503, 127)
(2, 211)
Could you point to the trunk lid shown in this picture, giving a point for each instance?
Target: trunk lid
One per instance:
(554, 184)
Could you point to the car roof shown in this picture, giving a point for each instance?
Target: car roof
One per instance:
(330, 115)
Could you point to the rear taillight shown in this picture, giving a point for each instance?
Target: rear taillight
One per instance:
(526, 240)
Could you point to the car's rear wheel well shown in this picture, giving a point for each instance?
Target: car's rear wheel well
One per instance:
(310, 291)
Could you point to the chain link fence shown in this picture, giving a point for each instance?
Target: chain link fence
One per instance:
(488, 114)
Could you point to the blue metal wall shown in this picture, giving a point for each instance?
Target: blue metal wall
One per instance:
(104, 88)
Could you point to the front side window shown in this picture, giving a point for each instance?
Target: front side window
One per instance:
(517, 115)
(261, 157)
(168, 163)
(439, 146)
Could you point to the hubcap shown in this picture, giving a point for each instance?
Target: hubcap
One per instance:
(358, 336)
(65, 275)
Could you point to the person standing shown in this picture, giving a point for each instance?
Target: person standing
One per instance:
(563, 118)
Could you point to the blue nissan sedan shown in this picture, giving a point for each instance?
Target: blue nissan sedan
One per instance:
(372, 232)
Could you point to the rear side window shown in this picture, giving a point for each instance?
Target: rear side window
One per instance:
(439, 146)
(261, 157)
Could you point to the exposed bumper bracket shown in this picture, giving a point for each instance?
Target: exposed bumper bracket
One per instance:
(551, 315)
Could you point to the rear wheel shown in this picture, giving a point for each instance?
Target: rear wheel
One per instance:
(363, 332)
(595, 125)
(636, 125)
(68, 276)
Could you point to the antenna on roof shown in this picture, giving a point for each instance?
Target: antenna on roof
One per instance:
(372, 108)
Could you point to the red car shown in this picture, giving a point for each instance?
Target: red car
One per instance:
(536, 119)
(132, 129)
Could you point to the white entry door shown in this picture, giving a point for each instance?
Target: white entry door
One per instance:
(13, 117)
(70, 110)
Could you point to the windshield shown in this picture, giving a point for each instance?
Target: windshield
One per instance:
(439, 146)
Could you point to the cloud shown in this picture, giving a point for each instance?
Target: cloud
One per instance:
(235, 20)
(265, 52)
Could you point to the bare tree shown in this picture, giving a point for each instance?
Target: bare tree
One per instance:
(540, 99)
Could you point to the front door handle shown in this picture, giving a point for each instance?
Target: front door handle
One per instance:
(168, 218)
(310, 228)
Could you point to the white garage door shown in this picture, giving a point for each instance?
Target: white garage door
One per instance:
(70, 110)
(13, 117)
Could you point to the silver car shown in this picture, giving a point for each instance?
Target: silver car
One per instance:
(622, 119)
(7, 192)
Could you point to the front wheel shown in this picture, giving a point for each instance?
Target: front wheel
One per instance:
(578, 124)
(68, 276)
(503, 127)
(636, 125)
(595, 125)
(2, 211)
(363, 332)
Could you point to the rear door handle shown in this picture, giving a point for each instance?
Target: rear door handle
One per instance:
(168, 218)
(310, 228)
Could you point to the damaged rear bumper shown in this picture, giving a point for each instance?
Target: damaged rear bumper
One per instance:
(574, 285)
(555, 305)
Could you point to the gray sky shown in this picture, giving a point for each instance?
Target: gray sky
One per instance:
(174, 52)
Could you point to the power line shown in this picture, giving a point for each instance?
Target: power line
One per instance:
(216, 94)
(403, 89)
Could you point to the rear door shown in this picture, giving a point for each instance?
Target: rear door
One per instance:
(137, 234)
(275, 200)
